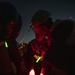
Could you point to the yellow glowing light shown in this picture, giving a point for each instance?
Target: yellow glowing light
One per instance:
(6, 45)
(38, 59)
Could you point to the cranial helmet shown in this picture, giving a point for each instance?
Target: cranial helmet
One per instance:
(8, 17)
(8, 13)
(40, 16)
(63, 30)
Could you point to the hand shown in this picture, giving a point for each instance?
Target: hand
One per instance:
(36, 57)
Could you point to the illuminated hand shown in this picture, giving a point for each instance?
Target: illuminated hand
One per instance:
(38, 57)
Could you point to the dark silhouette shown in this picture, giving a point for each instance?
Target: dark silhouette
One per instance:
(60, 54)
(41, 24)
(10, 25)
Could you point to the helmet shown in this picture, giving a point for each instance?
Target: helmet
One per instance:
(8, 17)
(40, 16)
(63, 30)
(8, 13)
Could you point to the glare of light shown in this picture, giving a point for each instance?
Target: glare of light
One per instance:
(41, 74)
(32, 72)
(42, 71)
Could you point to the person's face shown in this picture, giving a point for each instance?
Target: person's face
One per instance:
(10, 28)
(40, 31)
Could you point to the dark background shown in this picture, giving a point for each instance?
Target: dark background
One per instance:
(59, 9)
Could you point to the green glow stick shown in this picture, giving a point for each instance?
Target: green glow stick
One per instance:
(6, 45)
(38, 59)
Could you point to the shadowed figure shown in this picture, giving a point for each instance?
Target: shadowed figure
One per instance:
(10, 25)
(41, 24)
(60, 54)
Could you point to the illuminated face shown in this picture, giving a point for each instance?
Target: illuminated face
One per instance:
(40, 31)
(10, 29)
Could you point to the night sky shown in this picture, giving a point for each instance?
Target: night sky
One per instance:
(59, 9)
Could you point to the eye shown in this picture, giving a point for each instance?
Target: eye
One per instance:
(11, 23)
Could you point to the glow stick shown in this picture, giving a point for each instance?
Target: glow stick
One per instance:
(6, 45)
(38, 59)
